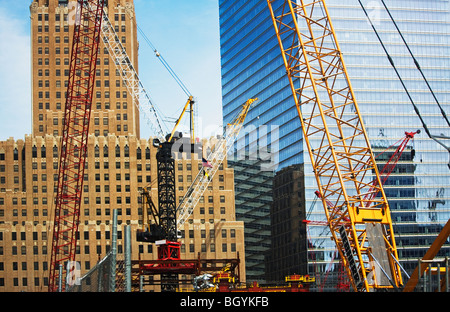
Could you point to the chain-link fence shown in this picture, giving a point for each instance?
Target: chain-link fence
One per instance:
(102, 277)
(98, 279)
(112, 273)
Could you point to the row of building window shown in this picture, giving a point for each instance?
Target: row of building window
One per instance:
(66, 41)
(46, 61)
(86, 211)
(35, 177)
(107, 235)
(46, 39)
(119, 128)
(43, 154)
(98, 105)
(34, 166)
(46, 50)
(97, 199)
(87, 249)
(46, 28)
(45, 16)
(98, 73)
(118, 153)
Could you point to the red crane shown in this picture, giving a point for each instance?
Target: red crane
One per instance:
(73, 147)
(393, 160)
(384, 172)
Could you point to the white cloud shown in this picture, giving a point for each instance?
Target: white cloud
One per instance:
(15, 77)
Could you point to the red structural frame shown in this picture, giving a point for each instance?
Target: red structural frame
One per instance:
(73, 147)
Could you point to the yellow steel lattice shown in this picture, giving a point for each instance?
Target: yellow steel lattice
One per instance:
(338, 145)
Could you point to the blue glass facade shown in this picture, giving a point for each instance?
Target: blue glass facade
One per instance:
(418, 191)
(252, 67)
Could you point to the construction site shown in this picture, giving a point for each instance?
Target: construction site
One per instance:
(160, 214)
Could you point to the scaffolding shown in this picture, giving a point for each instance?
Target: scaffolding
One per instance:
(435, 277)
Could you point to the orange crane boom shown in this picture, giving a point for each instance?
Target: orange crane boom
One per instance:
(337, 142)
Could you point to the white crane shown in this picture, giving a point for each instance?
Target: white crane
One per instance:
(212, 164)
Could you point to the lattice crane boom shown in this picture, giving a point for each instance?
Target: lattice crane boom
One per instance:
(73, 146)
(215, 159)
(130, 76)
(338, 145)
(384, 173)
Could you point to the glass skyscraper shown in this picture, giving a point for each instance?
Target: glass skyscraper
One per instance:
(418, 189)
(252, 67)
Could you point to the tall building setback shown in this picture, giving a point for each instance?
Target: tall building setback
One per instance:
(113, 111)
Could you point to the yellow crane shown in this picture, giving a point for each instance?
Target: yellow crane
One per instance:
(214, 159)
(151, 230)
(338, 145)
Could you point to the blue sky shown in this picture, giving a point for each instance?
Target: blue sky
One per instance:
(186, 33)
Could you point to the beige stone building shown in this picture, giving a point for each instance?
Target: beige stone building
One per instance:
(51, 34)
(119, 165)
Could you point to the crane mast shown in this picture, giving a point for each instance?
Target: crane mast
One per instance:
(73, 146)
(338, 145)
(153, 228)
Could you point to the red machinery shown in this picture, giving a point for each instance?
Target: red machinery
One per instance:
(73, 146)
(384, 172)
(393, 160)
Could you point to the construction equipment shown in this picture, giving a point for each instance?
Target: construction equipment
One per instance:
(92, 23)
(134, 85)
(165, 215)
(429, 255)
(338, 145)
(73, 147)
(385, 172)
(160, 225)
(168, 246)
(130, 77)
(213, 162)
(152, 228)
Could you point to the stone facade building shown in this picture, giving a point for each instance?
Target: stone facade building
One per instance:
(119, 165)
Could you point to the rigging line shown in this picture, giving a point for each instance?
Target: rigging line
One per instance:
(164, 62)
(417, 64)
(435, 138)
